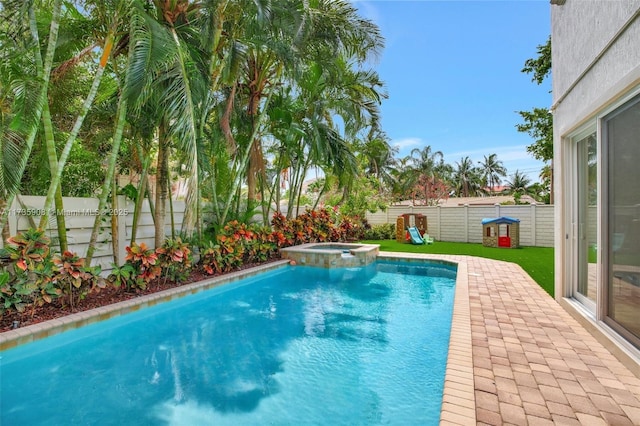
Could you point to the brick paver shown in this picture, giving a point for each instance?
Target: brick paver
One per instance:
(533, 364)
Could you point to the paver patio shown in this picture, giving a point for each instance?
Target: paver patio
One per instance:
(532, 363)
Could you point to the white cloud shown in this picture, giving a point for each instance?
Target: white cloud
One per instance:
(504, 153)
(407, 143)
(367, 10)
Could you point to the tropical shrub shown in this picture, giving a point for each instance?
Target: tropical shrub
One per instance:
(283, 229)
(325, 225)
(28, 263)
(33, 277)
(352, 228)
(238, 244)
(210, 258)
(144, 260)
(74, 279)
(175, 259)
(222, 257)
(263, 246)
(385, 231)
(124, 275)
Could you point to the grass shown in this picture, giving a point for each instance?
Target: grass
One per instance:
(536, 261)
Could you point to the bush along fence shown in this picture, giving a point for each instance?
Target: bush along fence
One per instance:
(31, 275)
(115, 233)
(464, 223)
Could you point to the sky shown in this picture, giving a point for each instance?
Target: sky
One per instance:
(453, 75)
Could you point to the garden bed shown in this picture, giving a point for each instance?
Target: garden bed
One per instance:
(104, 297)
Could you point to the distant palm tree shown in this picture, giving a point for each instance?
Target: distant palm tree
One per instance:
(426, 166)
(519, 182)
(467, 180)
(492, 170)
(520, 185)
(379, 157)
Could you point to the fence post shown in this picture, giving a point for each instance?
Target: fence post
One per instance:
(13, 218)
(439, 210)
(466, 223)
(533, 224)
(497, 205)
(122, 230)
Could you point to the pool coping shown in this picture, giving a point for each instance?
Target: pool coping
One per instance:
(458, 403)
(30, 333)
(458, 399)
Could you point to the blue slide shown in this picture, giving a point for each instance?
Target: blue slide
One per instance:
(416, 238)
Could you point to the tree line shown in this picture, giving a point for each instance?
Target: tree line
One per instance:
(241, 99)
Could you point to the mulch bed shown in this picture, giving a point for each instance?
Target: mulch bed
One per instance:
(104, 297)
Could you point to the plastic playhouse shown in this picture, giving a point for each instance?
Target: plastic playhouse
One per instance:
(408, 220)
(501, 232)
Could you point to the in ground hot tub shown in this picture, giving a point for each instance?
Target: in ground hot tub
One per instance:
(332, 255)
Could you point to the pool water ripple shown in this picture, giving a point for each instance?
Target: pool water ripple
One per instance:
(359, 346)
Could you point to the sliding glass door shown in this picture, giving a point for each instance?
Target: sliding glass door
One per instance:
(621, 258)
(586, 193)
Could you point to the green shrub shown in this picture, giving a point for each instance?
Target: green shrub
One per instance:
(75, 280)
(144, 261)
(31, 270)
(31, 276)
(175, 258)
(385, 231)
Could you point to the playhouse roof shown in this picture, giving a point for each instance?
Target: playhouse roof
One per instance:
(499, 220)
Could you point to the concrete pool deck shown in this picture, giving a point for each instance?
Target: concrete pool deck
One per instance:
(515, 355)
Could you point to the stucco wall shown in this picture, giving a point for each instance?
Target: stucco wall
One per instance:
(596, 67)
(601, 39)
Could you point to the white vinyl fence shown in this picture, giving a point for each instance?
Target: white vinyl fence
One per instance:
(80, 214)
(463, 223)
(459, 224)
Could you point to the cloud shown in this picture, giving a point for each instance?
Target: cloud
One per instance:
(504, 153)
(407, 143)
(367, 10)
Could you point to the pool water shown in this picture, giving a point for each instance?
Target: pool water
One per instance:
(295, 346)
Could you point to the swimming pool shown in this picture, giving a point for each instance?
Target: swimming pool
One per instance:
(297, 345)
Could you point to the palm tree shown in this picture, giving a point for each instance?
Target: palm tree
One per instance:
(16, 145)
(467, 180)
(492, 170)
(520, 184)
(425, 167)
(290, 45)
(406, 179)
(379, 157)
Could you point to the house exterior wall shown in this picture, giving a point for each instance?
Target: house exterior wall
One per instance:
(595, 57)
(596, 66)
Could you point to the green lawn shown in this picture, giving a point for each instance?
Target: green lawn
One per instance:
(536, 261)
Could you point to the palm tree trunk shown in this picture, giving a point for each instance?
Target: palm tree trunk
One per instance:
(162, 176)
(142, 190)
(106, 186)
(242, 164)
(115, 241)
(53, 167)
(55, 180)
(148, 194)
(44, 75)
(173, 221)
